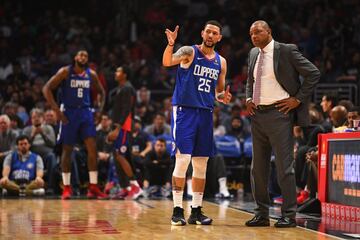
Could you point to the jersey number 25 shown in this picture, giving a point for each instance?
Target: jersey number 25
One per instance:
(204, 85)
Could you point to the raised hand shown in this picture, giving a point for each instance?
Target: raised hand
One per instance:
(172, 35)
(226, 97)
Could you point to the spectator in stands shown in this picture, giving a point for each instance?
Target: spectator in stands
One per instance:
(141, 145)
(42, 139)
(146, 105)
(50, 118)
(23, 170)
(353, 114)
(167, 109)
(338, 118)
(14, 125)
(104, 150)
(236, 112)
(346, 103)
(159, 126)
(305, 163)
(238, 129)
(316, 127)
(7, 138)
(328, 101)
(158, 170)
(10, 109)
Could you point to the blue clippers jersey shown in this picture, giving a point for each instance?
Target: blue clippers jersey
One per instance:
(23, 170)
(75, 90)
(195, 86)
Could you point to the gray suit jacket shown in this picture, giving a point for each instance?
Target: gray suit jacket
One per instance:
(289, 63)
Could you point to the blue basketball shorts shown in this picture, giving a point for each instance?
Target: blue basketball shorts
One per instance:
(192, 131)
(122, 144)
(80, 126)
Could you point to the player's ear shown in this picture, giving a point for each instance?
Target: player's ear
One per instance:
(220, 37)
(202, 33)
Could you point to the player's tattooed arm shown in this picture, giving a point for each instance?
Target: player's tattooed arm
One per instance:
(184, 52)
(182, 55)
(100, 90)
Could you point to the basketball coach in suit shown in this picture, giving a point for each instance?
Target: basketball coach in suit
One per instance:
(277, 99)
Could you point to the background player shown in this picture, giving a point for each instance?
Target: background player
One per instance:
(76, 116)
(200, 79)
(122, 104)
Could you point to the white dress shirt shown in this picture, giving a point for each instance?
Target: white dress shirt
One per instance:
(270, 89)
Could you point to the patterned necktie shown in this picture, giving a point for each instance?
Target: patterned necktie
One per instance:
(257, 84)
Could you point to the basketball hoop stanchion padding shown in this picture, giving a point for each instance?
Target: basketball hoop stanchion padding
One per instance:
(339, 176)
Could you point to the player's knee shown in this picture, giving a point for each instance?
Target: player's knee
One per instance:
(199, 167)
(181, 165)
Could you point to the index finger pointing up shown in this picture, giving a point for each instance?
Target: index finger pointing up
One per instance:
(176, 28)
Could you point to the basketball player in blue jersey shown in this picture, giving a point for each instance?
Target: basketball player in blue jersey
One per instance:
(76, 115)
(200, 80)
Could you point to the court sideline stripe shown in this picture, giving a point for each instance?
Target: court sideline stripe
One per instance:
(242, 211)
(144, 204)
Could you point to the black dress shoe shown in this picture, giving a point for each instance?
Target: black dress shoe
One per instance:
(258, 221)
(285, 222)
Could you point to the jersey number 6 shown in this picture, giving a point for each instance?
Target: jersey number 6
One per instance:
(80, 93)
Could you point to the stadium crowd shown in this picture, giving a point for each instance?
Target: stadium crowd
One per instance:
(35, 43)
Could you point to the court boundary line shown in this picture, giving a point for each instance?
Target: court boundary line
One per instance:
(243, 211)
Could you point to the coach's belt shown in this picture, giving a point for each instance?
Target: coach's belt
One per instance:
(266, 107)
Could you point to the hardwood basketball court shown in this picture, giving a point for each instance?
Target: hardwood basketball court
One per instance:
(114, 219)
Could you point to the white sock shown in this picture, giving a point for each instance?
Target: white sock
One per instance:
(178, 198)
(134, 182)
(197, 199)
(66, 176)
(222, 187)
(189, 190)
(93, 175)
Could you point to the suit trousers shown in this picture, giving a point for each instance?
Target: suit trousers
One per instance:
(272, 132)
